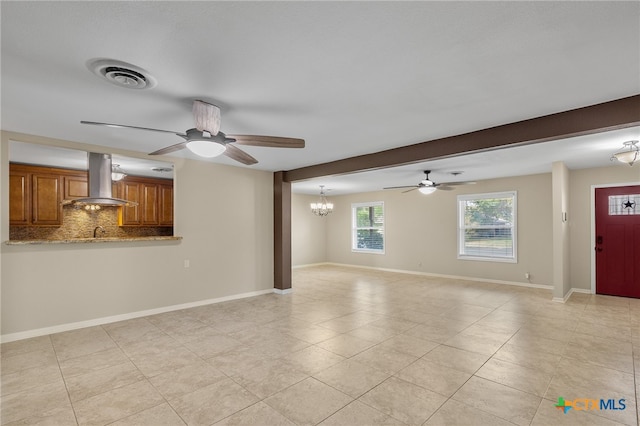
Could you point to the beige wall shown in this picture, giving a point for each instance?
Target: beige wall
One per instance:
(581, 214)
(225, 215)
(308, 232)
(561, 243)
(421, 232)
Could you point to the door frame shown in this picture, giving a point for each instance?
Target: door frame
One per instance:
(592, 213)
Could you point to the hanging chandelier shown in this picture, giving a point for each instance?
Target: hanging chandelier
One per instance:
(630, 153)
(324, 207)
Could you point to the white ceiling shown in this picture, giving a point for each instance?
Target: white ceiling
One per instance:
(349, 77)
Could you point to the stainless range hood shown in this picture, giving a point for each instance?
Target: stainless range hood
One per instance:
(99, 184)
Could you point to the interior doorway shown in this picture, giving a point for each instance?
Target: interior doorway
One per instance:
(617, 240)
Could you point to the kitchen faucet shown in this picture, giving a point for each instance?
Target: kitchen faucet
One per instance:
(95, 231)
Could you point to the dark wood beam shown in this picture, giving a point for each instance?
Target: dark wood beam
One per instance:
(281, 232)
(617, 114)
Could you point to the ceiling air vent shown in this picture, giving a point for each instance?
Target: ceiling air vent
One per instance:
(122, 74)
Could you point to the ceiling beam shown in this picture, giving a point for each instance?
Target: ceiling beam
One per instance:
(617, 114)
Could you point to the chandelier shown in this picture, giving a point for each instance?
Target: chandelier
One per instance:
(324, 207)
(630, 153)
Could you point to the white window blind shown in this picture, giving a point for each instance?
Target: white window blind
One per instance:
(487, 226)
(368, 227)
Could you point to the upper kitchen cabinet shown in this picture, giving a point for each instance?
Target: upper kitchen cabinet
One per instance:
(35, 195)
(154, 198)
(19, 194)
(166, 205)
(46, 199)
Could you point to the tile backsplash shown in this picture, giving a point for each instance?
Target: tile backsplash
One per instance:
(78, 223)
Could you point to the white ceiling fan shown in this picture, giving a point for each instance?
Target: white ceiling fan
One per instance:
(427, 186)
(206, 139)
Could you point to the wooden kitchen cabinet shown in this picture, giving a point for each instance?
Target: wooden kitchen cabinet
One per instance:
(166, 205)
(130, 191)
(46, 200)
(75, 186)
(35, 195)
(19, 193)
(154, 198)
(150, 204)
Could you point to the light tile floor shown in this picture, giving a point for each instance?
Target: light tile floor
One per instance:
(348, 347)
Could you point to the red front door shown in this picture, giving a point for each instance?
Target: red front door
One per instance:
(617, 242)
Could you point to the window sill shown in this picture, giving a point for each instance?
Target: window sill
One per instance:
(488, 259)
(367, 251)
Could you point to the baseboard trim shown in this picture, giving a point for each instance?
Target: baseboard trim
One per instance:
(569, 293)
(455, 277)
(309, 265)
(5, 338)
(285, 291)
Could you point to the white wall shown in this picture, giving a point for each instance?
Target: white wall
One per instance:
(224, 214)
(421, 232)
(308, 232)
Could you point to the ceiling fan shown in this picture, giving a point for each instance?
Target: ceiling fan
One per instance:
(427, 186)
(206, 139)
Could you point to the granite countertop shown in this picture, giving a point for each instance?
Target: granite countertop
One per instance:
(92, 240)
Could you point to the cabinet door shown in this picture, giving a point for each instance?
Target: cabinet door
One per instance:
(150, 202)
(75, 187)
(18, 198)
(131, 192)
(166, 205)
(46, 207)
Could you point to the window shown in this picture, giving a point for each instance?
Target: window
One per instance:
(487, 227)
(368, 227)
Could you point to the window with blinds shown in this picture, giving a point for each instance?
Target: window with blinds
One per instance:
(368, 227)
(487, 226)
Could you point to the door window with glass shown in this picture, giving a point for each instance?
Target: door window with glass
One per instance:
(368, 227)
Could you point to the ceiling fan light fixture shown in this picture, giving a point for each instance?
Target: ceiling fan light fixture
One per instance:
(427, 189)
(630, 153)
(206, 148)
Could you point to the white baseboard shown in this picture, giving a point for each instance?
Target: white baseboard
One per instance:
(569, 293)
(455, 277)
(285, 291)
(122, 317)
(310, 265)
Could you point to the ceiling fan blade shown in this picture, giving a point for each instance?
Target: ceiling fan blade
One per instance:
(401, 187)
(267, 141)
(170, 149)
(443, 187)
(207, 117)
(95, 123)
(457, 183)
(409, 190)
(237, 154)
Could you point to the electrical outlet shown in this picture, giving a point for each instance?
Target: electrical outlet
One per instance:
(187, 263)
(527, 275)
